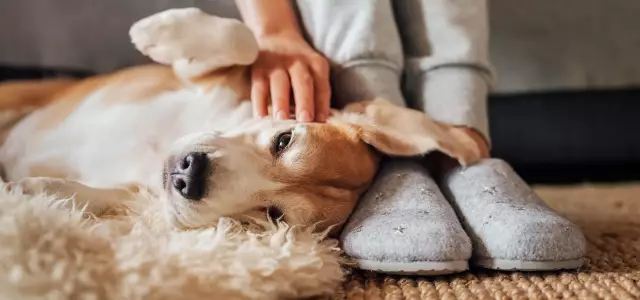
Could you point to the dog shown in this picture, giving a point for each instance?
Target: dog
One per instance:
(182, 130)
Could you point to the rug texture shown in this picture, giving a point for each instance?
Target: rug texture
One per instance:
(610, 217)
(48, 251)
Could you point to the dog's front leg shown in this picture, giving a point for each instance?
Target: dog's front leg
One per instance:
(94, 200)
(193, 42)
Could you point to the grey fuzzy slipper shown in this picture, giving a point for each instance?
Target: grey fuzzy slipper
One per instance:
(510, 226)
(404, 225)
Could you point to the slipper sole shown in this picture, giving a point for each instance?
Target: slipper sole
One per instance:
(524, 265)
(427, 268)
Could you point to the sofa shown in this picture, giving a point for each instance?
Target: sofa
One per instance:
(563, 107)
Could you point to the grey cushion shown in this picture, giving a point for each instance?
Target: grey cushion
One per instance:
(568, 44)
(79, 34)
(535, 45)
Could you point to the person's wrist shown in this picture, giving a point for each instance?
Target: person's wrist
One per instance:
(268, 18)
(287, 33)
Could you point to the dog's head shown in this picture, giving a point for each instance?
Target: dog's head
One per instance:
(302, 173)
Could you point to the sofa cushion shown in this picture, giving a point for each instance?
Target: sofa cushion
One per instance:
(569, 44)
(535, 45)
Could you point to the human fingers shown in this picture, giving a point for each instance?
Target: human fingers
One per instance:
(320, 69)
(259, 93)
(302, 85)
(280, 88)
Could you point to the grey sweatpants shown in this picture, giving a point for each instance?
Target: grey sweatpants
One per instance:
(436, 49)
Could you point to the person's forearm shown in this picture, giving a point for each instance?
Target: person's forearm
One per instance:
(268, 17)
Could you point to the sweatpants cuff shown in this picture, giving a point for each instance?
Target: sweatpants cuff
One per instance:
(366, 82)
(453, 95)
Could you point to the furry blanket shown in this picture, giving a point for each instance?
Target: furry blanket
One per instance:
(48, 251)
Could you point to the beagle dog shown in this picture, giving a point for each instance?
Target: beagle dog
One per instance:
(182, 130)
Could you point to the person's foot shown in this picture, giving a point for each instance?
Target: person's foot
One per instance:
(510, 226)
(404, 225)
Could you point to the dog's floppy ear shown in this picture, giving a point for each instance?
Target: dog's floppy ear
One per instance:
(399, 131)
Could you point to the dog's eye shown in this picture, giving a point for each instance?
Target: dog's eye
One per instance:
(275, 214)
(281, 141)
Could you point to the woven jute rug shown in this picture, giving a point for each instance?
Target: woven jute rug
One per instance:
(610, 218)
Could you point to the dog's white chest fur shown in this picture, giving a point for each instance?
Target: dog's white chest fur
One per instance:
(126, 142)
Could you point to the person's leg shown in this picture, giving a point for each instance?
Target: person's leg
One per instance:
(360, 40)
(448, 76)
(403, 224)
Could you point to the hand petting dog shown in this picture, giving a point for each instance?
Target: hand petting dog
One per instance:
(286, 63)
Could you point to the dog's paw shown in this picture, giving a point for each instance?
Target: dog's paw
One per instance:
(188, 36)
(159, 36)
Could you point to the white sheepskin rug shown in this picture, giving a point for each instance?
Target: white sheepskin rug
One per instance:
(48, 251)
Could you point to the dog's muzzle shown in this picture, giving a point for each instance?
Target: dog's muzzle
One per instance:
(189, 174)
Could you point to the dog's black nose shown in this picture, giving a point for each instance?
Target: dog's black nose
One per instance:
(189, 177)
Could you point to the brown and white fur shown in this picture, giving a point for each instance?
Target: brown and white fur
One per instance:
(104, 139)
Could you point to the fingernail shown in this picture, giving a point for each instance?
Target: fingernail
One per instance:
(304, 116)
(281, 115)
(322, 117)
(258, 115)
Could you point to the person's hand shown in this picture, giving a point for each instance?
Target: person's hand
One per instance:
(288, 66)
